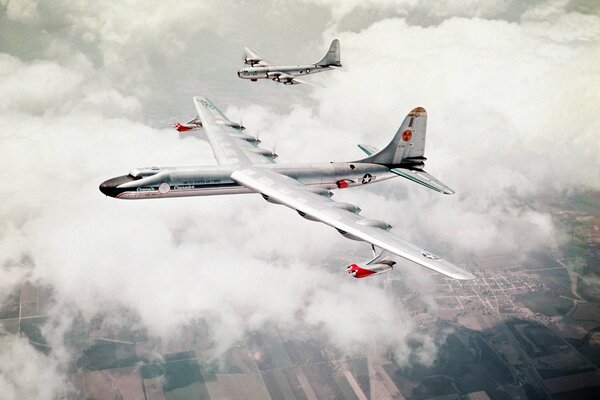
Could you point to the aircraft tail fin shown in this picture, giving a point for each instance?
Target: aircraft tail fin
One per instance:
(332, 58)
(405, 154)
(408, 145)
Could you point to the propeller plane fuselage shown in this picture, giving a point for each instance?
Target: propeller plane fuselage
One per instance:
(259, 68)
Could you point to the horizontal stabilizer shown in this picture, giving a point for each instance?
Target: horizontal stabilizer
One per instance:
(297, 80)
(369, 150)
(423, 178)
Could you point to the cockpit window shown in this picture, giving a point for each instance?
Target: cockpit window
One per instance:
(139, 173)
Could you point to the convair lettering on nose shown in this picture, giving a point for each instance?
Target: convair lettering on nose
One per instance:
(117, 187)
(288, 74)
(244, 167)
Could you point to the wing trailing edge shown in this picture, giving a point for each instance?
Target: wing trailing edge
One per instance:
(290, 192)
(423, 178)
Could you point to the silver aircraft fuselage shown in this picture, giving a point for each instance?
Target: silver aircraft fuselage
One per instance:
(272, 71)
(154, 182)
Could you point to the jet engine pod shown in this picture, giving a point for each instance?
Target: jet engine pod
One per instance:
(346, 206)
(269, 199)
(349, 235)
(307, 216)
(264, 152)
(364, 270)
(376, 223)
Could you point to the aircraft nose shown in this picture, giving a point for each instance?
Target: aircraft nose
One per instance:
(110, 187)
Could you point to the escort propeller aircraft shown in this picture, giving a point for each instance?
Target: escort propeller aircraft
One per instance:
(288, 74)
(244, 167)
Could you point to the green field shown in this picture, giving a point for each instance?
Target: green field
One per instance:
(9, 308)
(104, 354)
(588, 202)
(183, 380)
(556, 280)
(589, 289)
(546, 303)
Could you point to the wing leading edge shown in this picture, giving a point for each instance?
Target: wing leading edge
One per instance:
(293, 194)
(230, 146)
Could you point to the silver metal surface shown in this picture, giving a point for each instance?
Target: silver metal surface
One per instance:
(306, 188)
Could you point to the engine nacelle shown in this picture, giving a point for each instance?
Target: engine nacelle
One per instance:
(247, 138)
(235, 125)
(320, 191)
(269, 199)
(307, 216)
(264, 152)
(349, 235)
(251, 61)
(375, 223)
(346, 206)
(364, 270)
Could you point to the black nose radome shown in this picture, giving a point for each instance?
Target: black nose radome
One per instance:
(110, 187)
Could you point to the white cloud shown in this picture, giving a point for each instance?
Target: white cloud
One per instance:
(23, 10)
(26, 373)
(513, 117)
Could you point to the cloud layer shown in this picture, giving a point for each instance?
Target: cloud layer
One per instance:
(87, 93)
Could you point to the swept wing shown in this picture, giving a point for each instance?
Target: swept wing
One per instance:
(230, 145)
(291, 193)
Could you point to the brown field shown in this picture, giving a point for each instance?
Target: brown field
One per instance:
(573, 382)
(586, 312)
(238, 386)
(477, 322)
(154, 389)
(112, 383)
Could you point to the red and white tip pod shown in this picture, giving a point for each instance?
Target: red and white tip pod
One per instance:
(362, 271)
(179, 127)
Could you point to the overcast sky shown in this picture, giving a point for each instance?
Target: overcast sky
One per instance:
(88, 90)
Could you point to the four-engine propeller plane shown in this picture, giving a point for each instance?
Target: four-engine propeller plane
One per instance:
(288, 74)
(306, 188)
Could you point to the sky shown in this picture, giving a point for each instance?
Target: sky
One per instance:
(88, 91)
